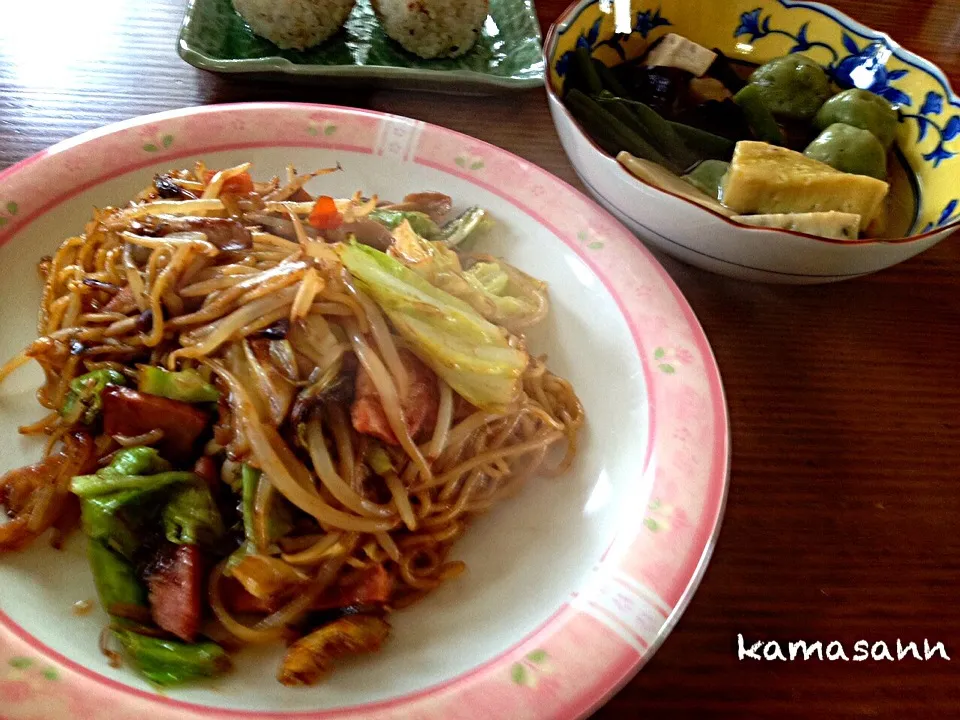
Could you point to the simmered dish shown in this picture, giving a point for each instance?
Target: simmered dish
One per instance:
(775, 146)
(273, 415)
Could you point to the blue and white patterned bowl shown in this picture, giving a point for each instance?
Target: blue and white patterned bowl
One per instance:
(756, 31)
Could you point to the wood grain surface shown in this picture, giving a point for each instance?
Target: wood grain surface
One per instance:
(844, 507)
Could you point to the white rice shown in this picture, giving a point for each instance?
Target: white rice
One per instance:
(296, 24)
(433, 28)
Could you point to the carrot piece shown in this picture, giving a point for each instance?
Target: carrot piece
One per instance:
(324, 215)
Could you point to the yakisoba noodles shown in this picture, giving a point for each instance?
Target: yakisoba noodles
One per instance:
(274, 414)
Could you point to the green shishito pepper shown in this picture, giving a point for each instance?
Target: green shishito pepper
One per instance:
(185, 385)
(191, 517)
(421, 223)
(112, 500)
(104, 520)
(115, 513)
(170, 662)
(84, 400)
(116, 580)
(280, 520)
(452, 233)
(108, 481)
(132, 469)
(139, 460)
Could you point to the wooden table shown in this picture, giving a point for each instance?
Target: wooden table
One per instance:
(844, 503)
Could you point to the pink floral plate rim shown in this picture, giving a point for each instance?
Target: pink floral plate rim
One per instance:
(609, 627)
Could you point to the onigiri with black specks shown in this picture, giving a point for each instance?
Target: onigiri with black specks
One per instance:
(433, 28)
(294, 24)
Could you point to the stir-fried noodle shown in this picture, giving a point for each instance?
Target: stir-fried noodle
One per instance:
(304, 400)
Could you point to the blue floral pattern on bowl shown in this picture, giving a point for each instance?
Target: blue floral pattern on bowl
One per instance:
(933, 105)
(751, 24)
(646, 22)
(948, 215)
(865, 68)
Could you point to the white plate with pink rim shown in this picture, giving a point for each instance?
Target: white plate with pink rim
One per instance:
(571, 586)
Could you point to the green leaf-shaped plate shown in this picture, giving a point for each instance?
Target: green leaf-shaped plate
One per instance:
(507, 54)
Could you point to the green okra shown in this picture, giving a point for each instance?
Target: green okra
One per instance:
(611, 134)
(659, 133)
(588, 70)
(609, 79)
(705, 144)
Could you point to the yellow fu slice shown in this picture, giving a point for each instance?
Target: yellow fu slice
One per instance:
(830, 224)
(766, 179)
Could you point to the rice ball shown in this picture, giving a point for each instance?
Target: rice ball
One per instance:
(294, 24)
(433, 28)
